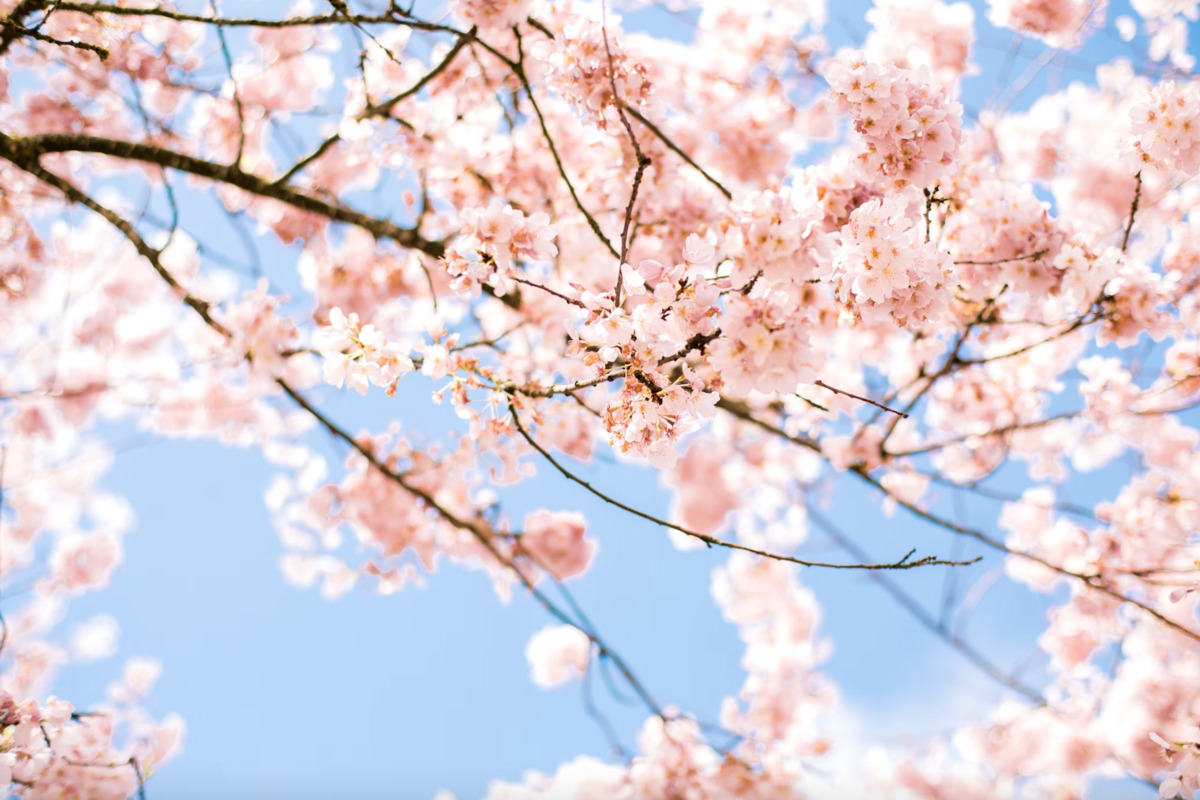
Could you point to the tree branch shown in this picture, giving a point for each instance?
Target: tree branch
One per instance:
(712, 541)
(25, 151)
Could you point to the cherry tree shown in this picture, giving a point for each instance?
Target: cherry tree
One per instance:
(759, 260)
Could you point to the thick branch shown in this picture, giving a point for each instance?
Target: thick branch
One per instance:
(25, 152)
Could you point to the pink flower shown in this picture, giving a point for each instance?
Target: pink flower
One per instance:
(357, 354)
(1059, 23)
(556, 542)
(86, 561)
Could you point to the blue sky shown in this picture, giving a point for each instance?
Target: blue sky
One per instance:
(288, 695)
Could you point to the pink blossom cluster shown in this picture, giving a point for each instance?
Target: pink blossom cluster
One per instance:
(885, 268)
(928, 33)
(576, 65)
(494, 241)
(1007, 236)
(776, 234)
(266, 338)
(1184, 776)
(648, 420)
(489, 15)
(48, 751)
(767, 341)
(287, 74)
(909, 126)
(556, 543)
(1059, 23)
(1166, 127)
(702, 496)
(781, 704)
(358, 354)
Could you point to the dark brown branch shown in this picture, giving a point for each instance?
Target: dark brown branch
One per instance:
(25, 151)
(530, 390)
(929, 200)
(334, 18)
(479, 530)
(29, 33)
(698, 341)
(11, 27)
(300, 165)
(573, 301)
(824, 385)
(743, 412)
(30, 165)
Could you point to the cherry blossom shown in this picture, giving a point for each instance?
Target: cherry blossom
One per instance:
(785, 275)
(556, 542)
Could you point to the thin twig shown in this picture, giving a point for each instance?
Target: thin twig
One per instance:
(643, 160)
(677, 150)
(1133, 209)
(518, 69)
(910, 604)
(573, 301)
(1090, 581)
(29, 33)
(712, 541)
(824, 385)
(1035, 255)
(237, 97)
(385, 108)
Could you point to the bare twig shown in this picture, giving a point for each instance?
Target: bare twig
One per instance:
(518, 69)
(237, 97)
(1034, 256)
(910, 604)
(824, 385)
(712, 541)
(643, 160)
(1133, 209)
(385, 108)
(573, 301)
(677, 150)
(1095, 582)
